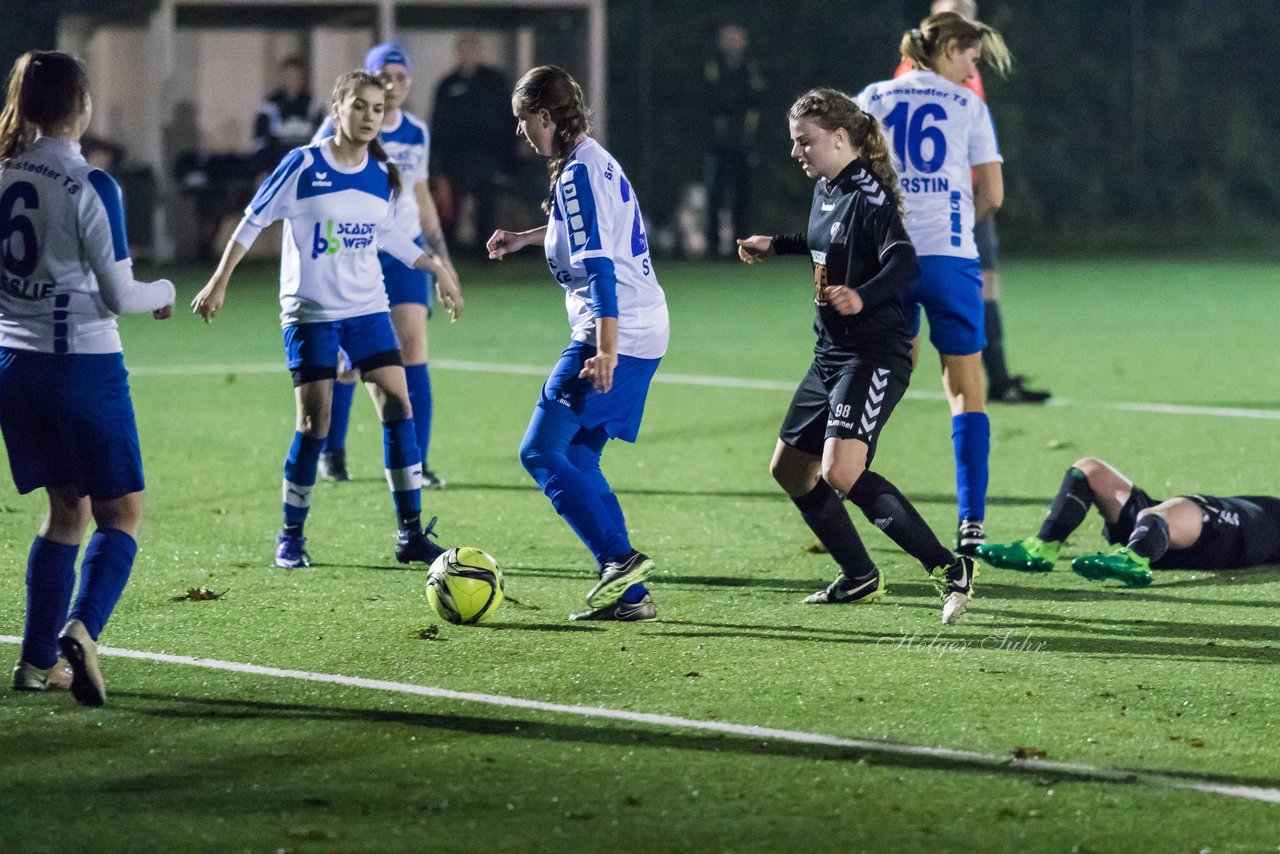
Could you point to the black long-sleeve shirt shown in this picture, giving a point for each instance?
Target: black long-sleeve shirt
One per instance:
(856, 238)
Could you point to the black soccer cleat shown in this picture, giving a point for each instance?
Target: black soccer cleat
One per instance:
(969, 536)
(849, 591)
(417, 546)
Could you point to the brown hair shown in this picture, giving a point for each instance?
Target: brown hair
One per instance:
(347, 86)
(922, 45)
(45, 87)
(550, 88)
(830, 110)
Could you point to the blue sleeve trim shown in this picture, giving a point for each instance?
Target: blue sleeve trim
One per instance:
(604, 286)
(109, 192)
(580, 209)
(291, 163)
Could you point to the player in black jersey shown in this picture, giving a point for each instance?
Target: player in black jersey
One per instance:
(1186, 532)
(863, 263)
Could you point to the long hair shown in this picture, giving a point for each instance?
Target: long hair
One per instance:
(830, 109)
(922, 45)
(45, 87)
(550, 88)
(347, 86)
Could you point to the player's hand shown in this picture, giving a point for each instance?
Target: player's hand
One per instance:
(449, 292)
(599, 370)
(209, 300)
(503, 242)
(843, 299)
(163, 313)
(754, 248)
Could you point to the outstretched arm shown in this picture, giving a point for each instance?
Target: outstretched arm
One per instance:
(503, 242)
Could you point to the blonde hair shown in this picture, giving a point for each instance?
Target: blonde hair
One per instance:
(830, 109)
(45, 87)
(553, 89)
(922, 45)
(347, 86)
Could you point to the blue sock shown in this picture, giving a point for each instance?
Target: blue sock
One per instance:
(419, 382)
(51, 578)
(340, 416)
(573, 493)
(108, 560)
(403, 465)
(584, 453)
(971, 436)
(299, 479)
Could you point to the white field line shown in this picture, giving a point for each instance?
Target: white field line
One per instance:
(720, 382)
(969, 757)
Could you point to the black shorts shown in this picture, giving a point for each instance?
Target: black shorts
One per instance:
(850, 402)
(1240, 531)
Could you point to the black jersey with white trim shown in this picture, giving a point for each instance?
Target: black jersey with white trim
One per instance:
(856, 238)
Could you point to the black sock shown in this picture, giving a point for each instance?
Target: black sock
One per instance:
(293, 530)
(890, 511)
(411, 522)
(1069, 507)
(824, 513)
(993, 353)
(1150, 537)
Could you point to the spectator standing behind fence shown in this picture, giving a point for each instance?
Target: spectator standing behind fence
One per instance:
(287, 118)
(733, 87)
(1002, 387)
(471, 140)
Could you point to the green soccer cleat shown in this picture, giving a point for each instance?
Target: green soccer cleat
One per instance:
(1120, 563)
(1030, 555)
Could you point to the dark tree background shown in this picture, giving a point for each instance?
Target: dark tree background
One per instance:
(1143, 124)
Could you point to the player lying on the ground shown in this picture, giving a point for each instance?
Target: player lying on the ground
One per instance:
(1186, 532)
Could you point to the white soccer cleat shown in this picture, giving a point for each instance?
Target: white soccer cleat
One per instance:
(28, 677)
(954, 608)
(81, 652)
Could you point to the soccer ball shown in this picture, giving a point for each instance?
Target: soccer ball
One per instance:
(464, 586)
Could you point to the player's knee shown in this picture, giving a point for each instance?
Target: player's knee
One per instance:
(313, 424)
(395, 407)
(1090, 467)
(123, 513)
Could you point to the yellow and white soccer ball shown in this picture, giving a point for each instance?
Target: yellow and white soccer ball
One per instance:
(464, 586)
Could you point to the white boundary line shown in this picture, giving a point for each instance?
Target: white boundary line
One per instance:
(722, 382)
(1069, 769)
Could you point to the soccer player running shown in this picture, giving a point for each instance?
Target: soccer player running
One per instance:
(598, 251)
(407, 142)
(1186, 532)
(943, 137)
(336, 199)
(65, 410)
(863, 264)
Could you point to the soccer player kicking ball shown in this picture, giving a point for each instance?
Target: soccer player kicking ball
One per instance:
(1187, 532)
(597, 251)
(863, 265)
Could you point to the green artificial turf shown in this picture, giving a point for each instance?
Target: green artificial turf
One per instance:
(1177, 678)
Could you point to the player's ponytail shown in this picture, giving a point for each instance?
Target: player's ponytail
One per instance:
(830, 110)
(346, 87)
(922, 45)
(550, 88)
(45, 88)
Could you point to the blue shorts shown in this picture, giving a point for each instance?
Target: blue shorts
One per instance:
(950, 290)
(68, 422)
(312, 348)
(618, 411)
(406, 284)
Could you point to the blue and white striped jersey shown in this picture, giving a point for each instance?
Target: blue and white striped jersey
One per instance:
(939, 131)
(65, 270)
(408, 144)
(336, 218)
(595, 214)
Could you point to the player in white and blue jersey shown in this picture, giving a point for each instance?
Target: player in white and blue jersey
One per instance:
(598, 251)
(68, 423)
(336, 200)
(407, 141)
(950, 164)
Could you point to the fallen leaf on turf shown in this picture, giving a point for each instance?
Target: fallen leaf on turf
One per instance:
(199, 594)
(1195, 742)
(429, 633)
(1028, 753)
(692, 673)
(815, 549)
